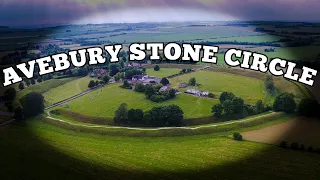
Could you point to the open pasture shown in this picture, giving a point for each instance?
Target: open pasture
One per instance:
(67, 90)
(107, 99)
(250, 89)
(163, 72)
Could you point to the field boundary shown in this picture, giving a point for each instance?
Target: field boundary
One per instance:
(160, 128)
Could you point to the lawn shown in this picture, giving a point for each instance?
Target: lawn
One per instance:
(67, 90)
(109, 98)
(55, 153)
(163, 72)
(250, 89)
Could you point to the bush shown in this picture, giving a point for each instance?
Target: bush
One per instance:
(294, 146)
(21, 85)
(192, 81)
(91, 84)
(156, 68)
(164, 81)
(302, 147)
(106, 78)
(211, 95)
(139, 87)
(310, 149)
(284, 102)
(283, 144)
(237, 136)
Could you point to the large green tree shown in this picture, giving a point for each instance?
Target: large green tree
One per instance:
(32, 104)
(121, 114)
(285, 102)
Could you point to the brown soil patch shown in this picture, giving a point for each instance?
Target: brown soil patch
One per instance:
(301, 130)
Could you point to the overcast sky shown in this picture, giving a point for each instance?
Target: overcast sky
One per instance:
(37, 12)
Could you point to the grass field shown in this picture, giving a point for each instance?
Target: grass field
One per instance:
(109, 98)
(50, 152)
(66, 90)
(250, 89)
(163, 72)
(44, 86)
(300, 130)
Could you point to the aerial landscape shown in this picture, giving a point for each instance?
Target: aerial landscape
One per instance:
(161, 119)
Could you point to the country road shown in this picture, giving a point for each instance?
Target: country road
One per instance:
(73, 97)
(154, 129)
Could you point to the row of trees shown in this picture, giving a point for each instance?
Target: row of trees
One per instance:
(171, 115)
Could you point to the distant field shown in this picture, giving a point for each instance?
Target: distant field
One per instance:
(250, 39)
(164, 72)
(250, 89)
(77, 155)
(300, 130)
(67, 90)
(109, 98)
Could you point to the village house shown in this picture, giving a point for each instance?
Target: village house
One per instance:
(197, 92)
(145, 79)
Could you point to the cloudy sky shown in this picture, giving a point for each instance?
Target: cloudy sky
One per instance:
(40, 12)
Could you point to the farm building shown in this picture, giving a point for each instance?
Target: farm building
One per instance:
(183, 85)
(145, 79)
(197, 92)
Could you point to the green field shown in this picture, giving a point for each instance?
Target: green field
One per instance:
(250, 89)
(163, 72)
(67, 90)
(44, 86)
(109, 98)
(54, 153)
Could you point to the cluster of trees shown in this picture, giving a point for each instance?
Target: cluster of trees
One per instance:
(232, 106)
(152, 92)
(183, 71)
(301, 147)
(8, 97)
(309, 107)
(285, 102)
(161, 116)
(269, 84)
(93, 83)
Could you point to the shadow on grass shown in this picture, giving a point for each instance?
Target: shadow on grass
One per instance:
(25, 155)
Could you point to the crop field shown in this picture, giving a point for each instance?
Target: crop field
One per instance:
(66, 90)
(163, 72)
(85, 156)
(107, 99)
(250, 89)
(299, 130)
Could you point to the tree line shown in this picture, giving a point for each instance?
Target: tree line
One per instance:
(161, 116)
